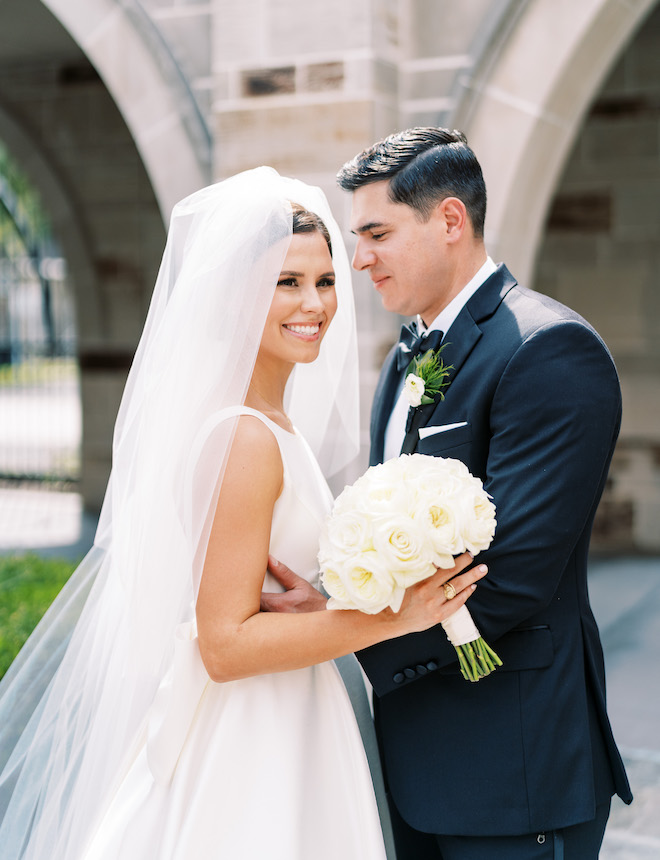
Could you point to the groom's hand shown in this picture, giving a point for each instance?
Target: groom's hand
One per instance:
(299, 596)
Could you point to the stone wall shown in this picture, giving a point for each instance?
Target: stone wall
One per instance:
(601, 256)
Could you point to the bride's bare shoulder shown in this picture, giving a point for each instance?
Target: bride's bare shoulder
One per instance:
(255, 454)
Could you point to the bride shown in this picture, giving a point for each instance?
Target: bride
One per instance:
(156, 712)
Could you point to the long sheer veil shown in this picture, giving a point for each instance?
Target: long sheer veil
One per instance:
(77, 699)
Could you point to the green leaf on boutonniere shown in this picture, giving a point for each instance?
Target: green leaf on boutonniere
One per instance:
(433, 372)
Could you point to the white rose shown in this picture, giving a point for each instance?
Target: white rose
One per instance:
(334, 585)
(438, 516)
(405, 548)
(480, 528)
(362, 582)
(414, 389)
(476, 515)
(345, 534)
(455, 467)
(382, 491)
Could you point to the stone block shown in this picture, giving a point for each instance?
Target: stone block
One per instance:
(303, 29)
(637, 209)
(268, 82)
(586, 212)
(427, 84)
(614, 525)
(614, 141)
(188, 34)
(562, 249)
(238, 32)
(442, 27)
(626, 107)
(641, 406)
(597, 294)
(292, 138)
(321, 77)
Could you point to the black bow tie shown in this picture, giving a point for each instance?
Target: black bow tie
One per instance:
(411, 344)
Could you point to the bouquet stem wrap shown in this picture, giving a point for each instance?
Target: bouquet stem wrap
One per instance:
(475, 656)
(394, 527)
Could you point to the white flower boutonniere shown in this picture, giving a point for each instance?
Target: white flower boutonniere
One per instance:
(426, 376)
(414, 388)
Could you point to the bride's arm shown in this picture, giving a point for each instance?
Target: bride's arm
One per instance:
(237, 640)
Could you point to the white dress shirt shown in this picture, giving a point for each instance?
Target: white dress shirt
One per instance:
(396, 426)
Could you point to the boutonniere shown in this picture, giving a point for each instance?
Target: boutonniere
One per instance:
(426, 376)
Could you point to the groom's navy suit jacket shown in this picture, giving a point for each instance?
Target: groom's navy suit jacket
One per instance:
(528, 748)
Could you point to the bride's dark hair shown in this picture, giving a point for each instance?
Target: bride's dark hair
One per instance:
(305, 221)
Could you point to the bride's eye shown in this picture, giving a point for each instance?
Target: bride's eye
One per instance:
(325, 282)
(287, 282)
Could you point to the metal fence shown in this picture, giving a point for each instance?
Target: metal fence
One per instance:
(40, 415)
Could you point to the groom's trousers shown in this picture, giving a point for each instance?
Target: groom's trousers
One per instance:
(578, 842)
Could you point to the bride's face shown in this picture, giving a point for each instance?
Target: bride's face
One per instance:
(304, 302)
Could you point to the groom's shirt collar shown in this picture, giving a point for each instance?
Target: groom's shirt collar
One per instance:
(447, 316)
(396, 425)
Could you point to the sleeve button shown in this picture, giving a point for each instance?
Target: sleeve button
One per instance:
(399, 678)
(410, 673)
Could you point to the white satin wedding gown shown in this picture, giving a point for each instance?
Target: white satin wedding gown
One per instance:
(263, 768)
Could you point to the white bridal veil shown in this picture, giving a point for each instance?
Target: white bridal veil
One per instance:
(79, 696)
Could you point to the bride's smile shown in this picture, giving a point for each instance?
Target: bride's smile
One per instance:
(304, 330)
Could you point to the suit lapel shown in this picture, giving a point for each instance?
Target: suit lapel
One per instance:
(386, 389)
(460, 340)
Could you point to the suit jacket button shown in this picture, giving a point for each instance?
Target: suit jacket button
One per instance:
(399, 678)
(410, 673)
(421, 670)
(431, 665)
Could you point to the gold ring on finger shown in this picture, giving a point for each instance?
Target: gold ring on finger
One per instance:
(450, 591)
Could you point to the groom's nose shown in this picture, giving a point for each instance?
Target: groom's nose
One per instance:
(362, 257)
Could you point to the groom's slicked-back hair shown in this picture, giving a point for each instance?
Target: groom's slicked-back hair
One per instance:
(423, 166)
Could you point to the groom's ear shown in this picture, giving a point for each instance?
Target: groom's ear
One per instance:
(452, 218)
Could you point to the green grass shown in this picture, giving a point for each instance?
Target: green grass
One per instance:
(38, 371)
(28, 585)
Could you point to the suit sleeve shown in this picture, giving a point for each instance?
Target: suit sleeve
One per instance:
(553, 423)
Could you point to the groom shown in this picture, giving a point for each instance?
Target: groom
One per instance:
(521, 764)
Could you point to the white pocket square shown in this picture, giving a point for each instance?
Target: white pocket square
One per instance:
(439, 428)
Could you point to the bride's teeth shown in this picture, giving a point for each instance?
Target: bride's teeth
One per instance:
(304, 329)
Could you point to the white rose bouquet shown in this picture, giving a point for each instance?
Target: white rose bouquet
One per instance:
(394, 527)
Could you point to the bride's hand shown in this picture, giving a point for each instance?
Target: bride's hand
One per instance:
(426, 604)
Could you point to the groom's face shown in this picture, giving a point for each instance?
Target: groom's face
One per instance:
(405, 257)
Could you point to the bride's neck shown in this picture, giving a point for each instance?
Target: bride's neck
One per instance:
(266, 393)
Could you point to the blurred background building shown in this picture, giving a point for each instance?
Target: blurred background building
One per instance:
(112, 110)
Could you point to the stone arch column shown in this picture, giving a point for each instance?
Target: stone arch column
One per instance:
(522, 110)
(147, 87)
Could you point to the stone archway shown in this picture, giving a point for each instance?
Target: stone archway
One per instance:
(147, 87)
(64, 129)
(522, 110)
